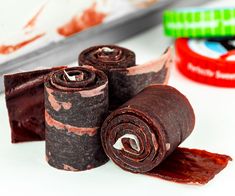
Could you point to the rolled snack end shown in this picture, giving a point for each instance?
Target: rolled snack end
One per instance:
(140, 134)
(126, 78)
(76, 102)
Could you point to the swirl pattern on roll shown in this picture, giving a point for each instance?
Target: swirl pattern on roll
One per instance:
(140, 134)
(76, 102)
(126, 78)
(106, 57)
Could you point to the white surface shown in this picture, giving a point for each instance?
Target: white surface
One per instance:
(55, 14)
(24, 171)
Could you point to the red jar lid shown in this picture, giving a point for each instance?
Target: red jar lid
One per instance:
(207, 61)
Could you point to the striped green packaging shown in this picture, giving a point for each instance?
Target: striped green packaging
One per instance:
(197, 23)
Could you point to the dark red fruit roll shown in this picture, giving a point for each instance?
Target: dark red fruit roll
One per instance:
(126, 78)
(24, 93)
(143, 135)
(76, 102)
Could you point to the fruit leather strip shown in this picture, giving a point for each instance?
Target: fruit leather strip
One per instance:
(24, 93)
(106, 57)
(191, 166)
(76, 102)
(144, 131)
(126, 78)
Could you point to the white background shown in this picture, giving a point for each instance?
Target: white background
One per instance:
(24, 171)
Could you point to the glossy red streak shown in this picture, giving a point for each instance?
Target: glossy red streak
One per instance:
(32, 22)
(191, 166)
(7, 49)
(90, 17)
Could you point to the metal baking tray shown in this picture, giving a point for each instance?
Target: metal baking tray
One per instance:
(67, 50)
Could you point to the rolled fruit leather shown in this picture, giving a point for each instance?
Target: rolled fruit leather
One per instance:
(24, 93)
(76, 102)
(126, 79)
(143, 135)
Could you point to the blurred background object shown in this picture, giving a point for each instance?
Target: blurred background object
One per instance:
(56, 31)
(209, 58)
